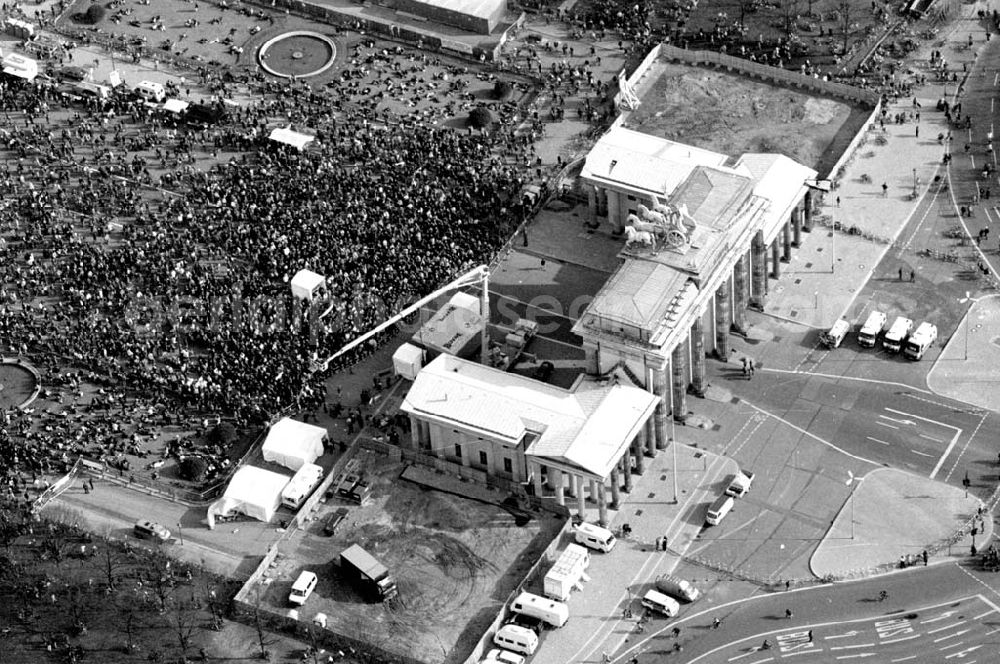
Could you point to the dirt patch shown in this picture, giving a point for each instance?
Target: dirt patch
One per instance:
(733, 115)
(455, 561)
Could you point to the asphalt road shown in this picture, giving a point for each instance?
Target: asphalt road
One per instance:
(941, 613)
(886, 423)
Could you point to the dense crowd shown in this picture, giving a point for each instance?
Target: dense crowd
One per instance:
(151, 260)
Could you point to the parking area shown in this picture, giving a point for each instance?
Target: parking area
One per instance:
(455, 561)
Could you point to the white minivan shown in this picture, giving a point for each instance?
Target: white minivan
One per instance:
(151, 91)
(516, 638)
(595, 537)
(718, 510)
(547, 610)
(657, 601)
(302, 588)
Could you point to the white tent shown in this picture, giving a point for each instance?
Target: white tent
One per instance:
(292, 443)
(407, 361)
(466, 301)
(288, 136)
(20, 66)
(306, 284)
(253, 491)
(177, 106)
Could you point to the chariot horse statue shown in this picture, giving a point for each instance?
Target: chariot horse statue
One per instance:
(663, 222)
(644, 238)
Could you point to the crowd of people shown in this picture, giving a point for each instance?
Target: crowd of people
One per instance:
(145, 265)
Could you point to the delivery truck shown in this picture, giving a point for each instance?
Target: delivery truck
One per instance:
(372, 577)
(567, 573)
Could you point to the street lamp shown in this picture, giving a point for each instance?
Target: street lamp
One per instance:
(851, 479)
(968, 298)
(673, 448)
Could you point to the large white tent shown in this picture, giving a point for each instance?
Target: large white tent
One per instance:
(289, 136)
(253, 491)
(306, 284)
(292, 443)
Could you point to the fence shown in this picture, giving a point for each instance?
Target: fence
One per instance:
(306, 510)
(547, 556)
(859, 139)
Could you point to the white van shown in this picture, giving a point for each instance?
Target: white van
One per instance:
(718, 510)
(302, 588)
(516, 638)
(151, 91)
(547, 610)
(657, 601)
(897, 334)
(677, 587)
(595, 537)
(868, 334)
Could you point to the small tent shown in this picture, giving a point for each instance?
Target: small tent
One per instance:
(15, 64)
(292, 443)
(407, 361)
(307, 285)
(287, 136)
(253, 491)
(176, 106)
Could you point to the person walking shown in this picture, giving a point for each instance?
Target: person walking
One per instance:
(715, 623)
(885, 190)
(751, 367)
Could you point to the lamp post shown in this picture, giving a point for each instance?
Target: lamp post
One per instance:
(673, 448)
(851, 479)
(968, 298)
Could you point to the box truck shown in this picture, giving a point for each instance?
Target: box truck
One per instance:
(868, 334)
(897, 334)
(567, 573)
(370, 575)
(920, 341)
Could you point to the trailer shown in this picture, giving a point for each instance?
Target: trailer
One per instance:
(371, 576)
(567, 573)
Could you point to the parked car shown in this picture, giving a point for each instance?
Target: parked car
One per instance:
(145, 529)
(334, 520)
(501, 656)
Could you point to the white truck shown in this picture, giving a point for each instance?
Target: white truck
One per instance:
(739, 485)
(896, 336)
(567, 573)
(920, 341)
(868, 334)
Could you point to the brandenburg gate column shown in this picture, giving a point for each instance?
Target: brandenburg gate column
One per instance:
(740, 294)
(722, 322)
(602, 506)
(679, 366)
(626, 470)
(660, 417)
(775, 260)
(615, 488)
(698, 356)
(807, 212)
(638, 451)
(758, 267)
(797, 226)
(786, 237)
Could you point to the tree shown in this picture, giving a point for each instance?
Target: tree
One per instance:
(128, 622)
(183, 625)
(845, 20)
(109, 562)
(480, 117)
(194, 468)
(502, 89)
(789, 12)
(263, 638)
(94, 14)
(223, 434)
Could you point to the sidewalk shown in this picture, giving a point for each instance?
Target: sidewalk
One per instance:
(830, 268)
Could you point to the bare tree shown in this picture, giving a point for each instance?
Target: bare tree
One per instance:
(128, 620)
(844, 6)
(263, 638)
(109, 562)
(183, 624)
(789, 10)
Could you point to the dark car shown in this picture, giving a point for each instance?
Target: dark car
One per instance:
(205, 114)
(334, 520)
(71, 73)
(536, 625)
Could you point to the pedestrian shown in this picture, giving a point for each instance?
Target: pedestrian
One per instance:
(924, 555)
(91, 483)
(746, 369)
(715, 623)
(913, 276)
(86, 489)
(605, 657)
(788, 614)
(665, 541)
(634, 660)
(751, 366)
(900, 274)
(676, 632)
(838, 201)
(916, 132)
(788, 585)
(658, 543)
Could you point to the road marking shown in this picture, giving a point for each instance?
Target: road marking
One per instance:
(951, 636)
(902, 638)
(966, 446)
(921, 453)
(893, 419)
(888, 426)
(760, 661)
(838, 378)
(963, 653)
(943, 616)
(926, 437)
(954, 645)
(748, 654)
(845, 635)
(904, 659)
(803, 652)
(941, 629)
(860, 645)
(877, 440)
(864, 654)
(983, 615)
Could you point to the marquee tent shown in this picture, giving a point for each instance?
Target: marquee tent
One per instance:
(288, 136)
(253, 491)
(292, 443)
(17, 65)
(306, 284)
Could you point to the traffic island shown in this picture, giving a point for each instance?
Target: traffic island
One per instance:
(19, 384)
(895, 516)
